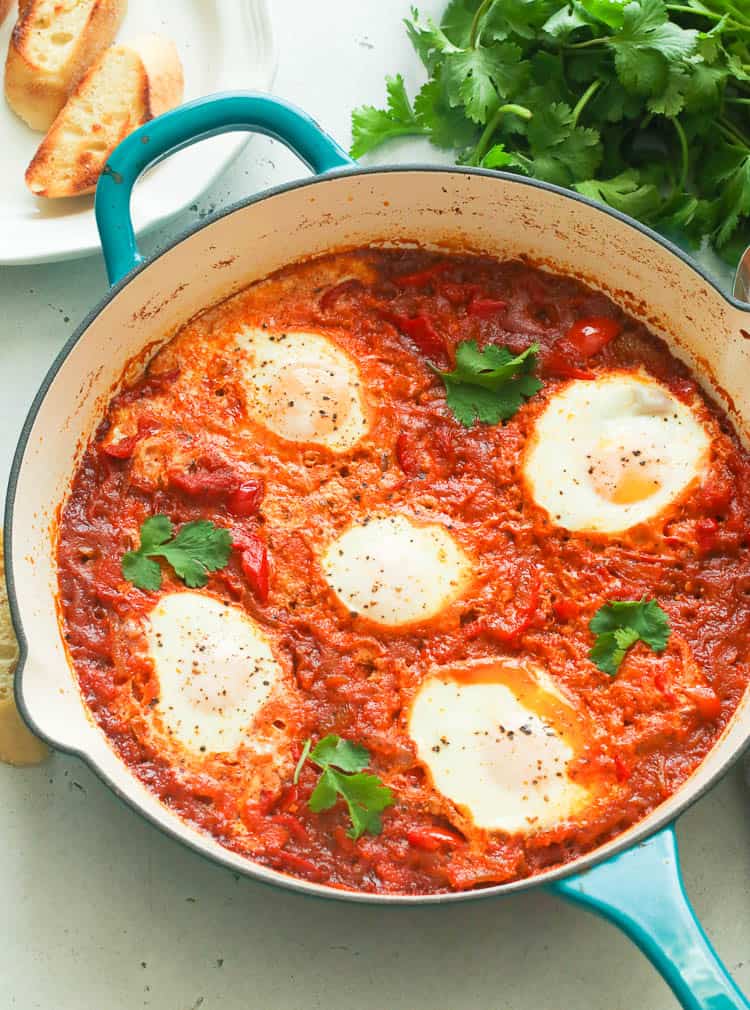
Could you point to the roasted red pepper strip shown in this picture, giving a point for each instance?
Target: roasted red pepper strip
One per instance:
(407, 454)
(622, 770)
(706, 534)
(589, 336)
(565, 609)
(431, 839)
(557, 364)
(584, 339)
(293, 824)
(204, 481)
(706, 701)
(254, 562)
(245, 500)
(120, 450)
(420, 330)
(299, 864)
(421, 278)
(486, 308)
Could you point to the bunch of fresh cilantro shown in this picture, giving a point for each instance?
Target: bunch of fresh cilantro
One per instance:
(643, 105)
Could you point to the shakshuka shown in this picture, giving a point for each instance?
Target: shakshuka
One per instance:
(409, 572)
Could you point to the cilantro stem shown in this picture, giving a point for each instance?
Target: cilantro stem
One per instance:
(741, 25)
(738, 101)
(733, 133)
(589, 42)
(474, 31)
(684, 153)
(581, 103)
(487, 134)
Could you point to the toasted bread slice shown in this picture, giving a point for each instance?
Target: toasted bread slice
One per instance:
(127, 86)
(52, 46)
(18, 745)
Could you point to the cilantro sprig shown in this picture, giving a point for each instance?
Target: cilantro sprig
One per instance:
(622, 623)
(489, 385)
(640, 104)
(200, 547)
(342, 764)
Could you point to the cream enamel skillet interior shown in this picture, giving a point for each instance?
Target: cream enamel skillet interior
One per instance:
(633, 878)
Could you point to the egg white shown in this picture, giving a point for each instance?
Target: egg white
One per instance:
(501, 761)
(303, 387)
(610, 453)
(395, 572)
(215, 669)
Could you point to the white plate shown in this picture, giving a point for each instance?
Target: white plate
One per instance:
(223, 44)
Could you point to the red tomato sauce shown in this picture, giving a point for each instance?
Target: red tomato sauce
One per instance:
(180, 442)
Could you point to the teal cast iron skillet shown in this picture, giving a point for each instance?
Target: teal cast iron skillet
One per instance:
(635, 880)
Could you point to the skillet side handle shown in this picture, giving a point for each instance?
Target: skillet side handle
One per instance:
(186, 125)
(641, 891)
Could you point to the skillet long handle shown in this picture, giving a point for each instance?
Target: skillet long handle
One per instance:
(641, 891)
(186, 125)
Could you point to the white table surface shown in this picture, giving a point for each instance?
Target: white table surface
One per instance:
(98, 911)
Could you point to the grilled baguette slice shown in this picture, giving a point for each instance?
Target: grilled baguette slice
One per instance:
(52, 46)
(128, 85)
(18, 745)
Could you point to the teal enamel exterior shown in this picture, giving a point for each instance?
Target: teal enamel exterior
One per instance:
(186, 125)
(639, 890)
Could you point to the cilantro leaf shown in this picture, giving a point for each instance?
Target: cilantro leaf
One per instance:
(343, 754)
(498, 157)
(200, 547)
(156, 530)
(622, 623)
(371, 126)
(647, 43)
(626, 192)
(141, 571)
(430, 42)
(734, 202)
(610, 12)
(342, 763)
(489, 385)
(523, 18)
(457, 20)
(479, 78)
(447, 126)
(562, 152)
(366, 797)
(325, 793)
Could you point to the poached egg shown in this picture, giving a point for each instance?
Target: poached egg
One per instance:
(303, 387)
(394, 571)
(610, 453)
(496, 737)
(215, 667)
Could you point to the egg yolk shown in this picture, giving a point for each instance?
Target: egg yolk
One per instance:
(621, 477)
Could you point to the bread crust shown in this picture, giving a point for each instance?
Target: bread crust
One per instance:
(18, 745)
(72, 155)
(37, 81)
